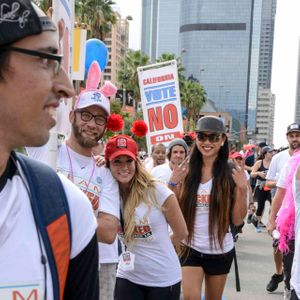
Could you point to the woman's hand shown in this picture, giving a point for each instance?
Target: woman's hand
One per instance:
(239, 176)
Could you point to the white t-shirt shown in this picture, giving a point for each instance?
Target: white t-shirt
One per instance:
(277, 163)
(108, 253)
(283, 175)
(295, 275)
(96, 182)
(156, 262)
(200, 240)
(162, 172)
(21, 270)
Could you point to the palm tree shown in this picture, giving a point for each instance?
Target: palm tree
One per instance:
(180, 69)
(193, 97)
(127, 74)
(97, 14)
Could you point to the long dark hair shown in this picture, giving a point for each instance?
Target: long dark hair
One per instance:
(219, 205)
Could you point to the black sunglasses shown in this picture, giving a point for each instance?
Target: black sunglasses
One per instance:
(86, 116)
(213, 137)
(56, 59)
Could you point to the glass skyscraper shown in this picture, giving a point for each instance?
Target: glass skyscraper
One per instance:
(160, 27)
(220, 42)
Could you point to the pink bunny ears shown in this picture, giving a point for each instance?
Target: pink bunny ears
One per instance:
(93, 80)
(92, 95)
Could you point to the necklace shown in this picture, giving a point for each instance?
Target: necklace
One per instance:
(71, 169)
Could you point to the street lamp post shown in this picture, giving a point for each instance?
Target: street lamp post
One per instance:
(201, 71)
(125, 77)
(220, 93)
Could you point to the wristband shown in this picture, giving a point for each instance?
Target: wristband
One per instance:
(174, 184)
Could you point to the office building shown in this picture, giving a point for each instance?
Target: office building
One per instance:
(117, 44)
(160, 27)
(266, 43)
(265, 116)
(227, 45)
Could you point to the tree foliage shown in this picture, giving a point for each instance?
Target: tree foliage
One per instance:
(193, 97)
(97, 14)
(127, 75)
(180, 69)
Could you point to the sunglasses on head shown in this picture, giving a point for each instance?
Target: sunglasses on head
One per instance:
(212, 137)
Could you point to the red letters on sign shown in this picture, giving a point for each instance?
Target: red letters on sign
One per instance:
(162, 119)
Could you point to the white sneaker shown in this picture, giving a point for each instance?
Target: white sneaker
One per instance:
(286, 294)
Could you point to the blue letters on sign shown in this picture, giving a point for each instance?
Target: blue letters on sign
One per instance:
(160, 93)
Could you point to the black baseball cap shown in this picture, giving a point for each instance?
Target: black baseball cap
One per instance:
(295, 127)
(22, 18)
(210, 123)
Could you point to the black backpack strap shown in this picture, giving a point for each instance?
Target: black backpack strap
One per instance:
(234, 229)
(48, 202)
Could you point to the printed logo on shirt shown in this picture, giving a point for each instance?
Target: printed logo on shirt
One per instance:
(203, 199)
(143, 230)
(23, 291)
(91, 190)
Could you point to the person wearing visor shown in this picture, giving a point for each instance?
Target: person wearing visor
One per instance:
(32, 82)
(213, 196)
(149, 268)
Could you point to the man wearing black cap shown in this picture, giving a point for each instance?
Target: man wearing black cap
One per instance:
(32, 82)
(277, 165)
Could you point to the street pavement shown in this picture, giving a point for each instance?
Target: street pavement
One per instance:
(256, 266)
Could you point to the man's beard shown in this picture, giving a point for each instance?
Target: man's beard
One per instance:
(82, 141)
(295, 145)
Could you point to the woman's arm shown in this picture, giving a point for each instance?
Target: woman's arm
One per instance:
(255, 171)
(239, 209)
(175, 219)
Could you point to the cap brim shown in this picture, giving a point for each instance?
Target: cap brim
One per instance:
(122, 152)
(293, 130)
(94, 104)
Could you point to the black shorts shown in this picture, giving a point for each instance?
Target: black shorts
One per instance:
(212, 264)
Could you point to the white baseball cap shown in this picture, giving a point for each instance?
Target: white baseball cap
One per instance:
(92, 97)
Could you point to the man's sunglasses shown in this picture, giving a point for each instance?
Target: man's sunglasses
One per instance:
(213, 137)
(56, 59)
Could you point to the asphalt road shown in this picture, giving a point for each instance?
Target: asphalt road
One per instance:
(256, 266)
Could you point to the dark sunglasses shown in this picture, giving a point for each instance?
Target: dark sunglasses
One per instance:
(54, 58)
(213, 137)
(86, 116)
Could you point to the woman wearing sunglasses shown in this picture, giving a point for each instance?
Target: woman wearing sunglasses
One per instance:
(149, 268)
(213, 195)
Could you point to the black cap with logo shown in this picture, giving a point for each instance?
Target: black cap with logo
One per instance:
(295, 127)
(21, 18)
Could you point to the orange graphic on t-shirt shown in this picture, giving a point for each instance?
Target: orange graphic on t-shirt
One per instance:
(18, 296)
(203, 200)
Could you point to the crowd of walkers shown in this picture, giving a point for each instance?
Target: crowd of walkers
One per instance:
(161, 229)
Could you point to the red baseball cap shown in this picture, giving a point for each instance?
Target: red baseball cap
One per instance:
(121, 145)
(236, 155)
